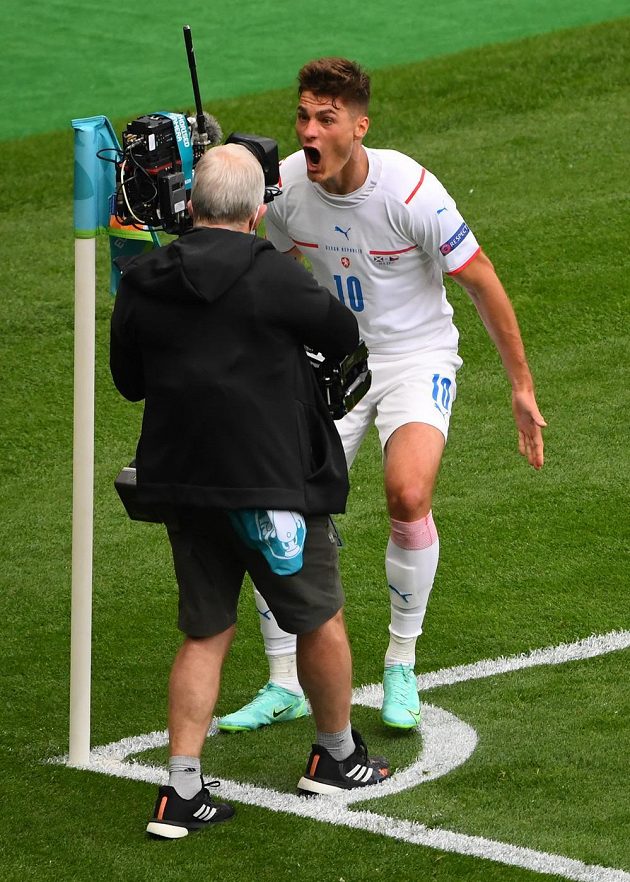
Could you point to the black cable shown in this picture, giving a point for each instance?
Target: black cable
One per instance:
(116, 150)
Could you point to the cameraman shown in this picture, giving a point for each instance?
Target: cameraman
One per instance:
(210, 331)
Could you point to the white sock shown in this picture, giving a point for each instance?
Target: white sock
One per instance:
(410, 573)
(400, 650)
(279, 648)
(283, 672)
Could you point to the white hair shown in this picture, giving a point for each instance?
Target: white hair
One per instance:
(229, 185)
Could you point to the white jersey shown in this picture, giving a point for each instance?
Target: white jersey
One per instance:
(382, 249)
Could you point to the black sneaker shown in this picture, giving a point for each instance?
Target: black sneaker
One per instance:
(327, 775)
(175, 817)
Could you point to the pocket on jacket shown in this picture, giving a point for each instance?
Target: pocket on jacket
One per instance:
(316, 448)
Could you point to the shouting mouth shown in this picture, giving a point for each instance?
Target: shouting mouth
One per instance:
(313, 158)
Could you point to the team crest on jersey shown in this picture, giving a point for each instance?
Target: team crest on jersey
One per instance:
(345, 262)
(456, 239)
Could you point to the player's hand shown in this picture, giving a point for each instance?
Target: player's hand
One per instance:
(530, 423)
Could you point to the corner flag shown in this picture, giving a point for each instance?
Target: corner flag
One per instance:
(94, 182)
(94, 188)
(94, 178)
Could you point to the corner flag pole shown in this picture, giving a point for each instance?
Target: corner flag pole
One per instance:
(94, 181)
(82, 501)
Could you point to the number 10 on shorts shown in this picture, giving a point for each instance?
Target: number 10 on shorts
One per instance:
(442, 392)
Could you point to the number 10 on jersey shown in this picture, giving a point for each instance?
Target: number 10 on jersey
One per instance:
(352, 296)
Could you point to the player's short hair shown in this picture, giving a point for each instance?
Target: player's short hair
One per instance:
(337, 78)
(229, 185)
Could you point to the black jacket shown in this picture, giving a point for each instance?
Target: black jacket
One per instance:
(210, 331)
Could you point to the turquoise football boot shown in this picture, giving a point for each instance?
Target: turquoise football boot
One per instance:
(272, 704)
(401, 702)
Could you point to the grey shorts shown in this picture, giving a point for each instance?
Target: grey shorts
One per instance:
(210, 564)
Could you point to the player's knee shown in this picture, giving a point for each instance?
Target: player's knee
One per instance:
(408, 502)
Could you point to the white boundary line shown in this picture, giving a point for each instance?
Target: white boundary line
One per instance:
(110, 759)
(589, 647)
(447, 742)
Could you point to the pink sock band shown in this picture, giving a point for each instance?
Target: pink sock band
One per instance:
(414, 535)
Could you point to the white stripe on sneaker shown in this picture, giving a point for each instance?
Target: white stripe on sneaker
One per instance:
(367, 776)
(205, 812)
(359, 773)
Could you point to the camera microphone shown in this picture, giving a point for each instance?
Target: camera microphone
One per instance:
(204, 128)
(211, 134)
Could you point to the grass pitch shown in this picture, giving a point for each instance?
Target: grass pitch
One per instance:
(530, 138)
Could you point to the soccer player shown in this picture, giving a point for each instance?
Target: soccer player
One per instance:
(380, 231)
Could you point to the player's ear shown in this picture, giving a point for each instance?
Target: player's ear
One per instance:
(361, 127)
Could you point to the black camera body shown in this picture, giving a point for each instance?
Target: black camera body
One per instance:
(127, 489)
(342, 383)
(155, 172)
(266, 152)
(151, 187)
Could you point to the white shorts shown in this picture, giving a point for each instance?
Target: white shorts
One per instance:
(409, 388)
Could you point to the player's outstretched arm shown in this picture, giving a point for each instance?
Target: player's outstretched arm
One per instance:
(484, 287)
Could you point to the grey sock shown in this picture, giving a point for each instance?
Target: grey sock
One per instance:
(185, 775)
(338, 744)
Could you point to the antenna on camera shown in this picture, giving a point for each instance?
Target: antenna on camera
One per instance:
(190, 52)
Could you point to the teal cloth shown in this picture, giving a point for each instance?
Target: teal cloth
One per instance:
(278, 535)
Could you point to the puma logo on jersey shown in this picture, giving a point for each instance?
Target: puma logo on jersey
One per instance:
(345, 232)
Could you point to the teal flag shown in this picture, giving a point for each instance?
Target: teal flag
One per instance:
(127, 242)
(96, 149)
(94, 178)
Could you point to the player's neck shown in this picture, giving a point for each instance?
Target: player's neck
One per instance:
(352, 176)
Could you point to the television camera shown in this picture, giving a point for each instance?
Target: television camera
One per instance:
(155, 167)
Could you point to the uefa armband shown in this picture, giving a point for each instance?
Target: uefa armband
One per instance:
(342, 383)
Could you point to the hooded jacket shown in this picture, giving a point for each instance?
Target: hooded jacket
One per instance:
(210, 331)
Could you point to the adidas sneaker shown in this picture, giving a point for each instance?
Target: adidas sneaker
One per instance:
(327, 775)
(175, 817)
